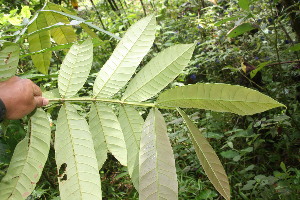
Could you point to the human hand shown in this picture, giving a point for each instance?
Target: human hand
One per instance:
(20, 97)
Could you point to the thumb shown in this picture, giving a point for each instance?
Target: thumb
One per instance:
(40, 101)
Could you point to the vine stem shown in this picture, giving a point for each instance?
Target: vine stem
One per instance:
(85, 99)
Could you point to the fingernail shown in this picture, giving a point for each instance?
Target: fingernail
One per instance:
(45, 101)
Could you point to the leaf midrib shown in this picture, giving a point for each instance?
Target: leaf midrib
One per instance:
(221, 100)
(137, 40)
(202, 152)
(192, 127)
(150, 80)
(132, 129)
(74, 154)
(72, 69)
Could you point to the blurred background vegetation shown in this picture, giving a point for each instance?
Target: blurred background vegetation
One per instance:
(260, 153)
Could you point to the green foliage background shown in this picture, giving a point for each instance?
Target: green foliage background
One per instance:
(260, 153)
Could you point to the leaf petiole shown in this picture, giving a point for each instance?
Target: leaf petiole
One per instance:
(89, 99)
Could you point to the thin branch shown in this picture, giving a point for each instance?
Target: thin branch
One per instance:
(98, 14)
(279, 63)
(143, 6)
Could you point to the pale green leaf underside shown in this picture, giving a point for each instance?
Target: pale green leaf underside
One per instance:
(38, 42)
(158, 178)
(208, 159)
(159, 72)
(28, 160)
(126, 57)
(75, 68)
(9, 58)
(74, 151)
(132, 125)
(62, 34)
(218, 97)
(112, 132)
(98, 135)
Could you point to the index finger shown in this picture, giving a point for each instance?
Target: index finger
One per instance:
(36, 90)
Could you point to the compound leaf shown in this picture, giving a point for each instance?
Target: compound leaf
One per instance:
(218, 97)
(9, 58)
(112, 132)
(159, 72)
(75, 68)
(126, 57)
(98, 135)
(28, 160)
(208, 158)
(158, 178)
(75, 157)
(132, 124)
(40, 41)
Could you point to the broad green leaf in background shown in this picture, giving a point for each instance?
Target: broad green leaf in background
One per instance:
(25, 12)
(132, 124)
(40, 41)
(98, 135)
(158, 178)
(28, 160)
(219, 23)
(126, 57)
(259, 67)
(218, 97)
(89, 31)
(295, 47)
(244, 4)
(76, 161)
(240, 29)
(62, 34)
(208, 158)
(9, 58)
(72, 16)
(159, 72)
(112, 131)
(53, 48)
(75, 68)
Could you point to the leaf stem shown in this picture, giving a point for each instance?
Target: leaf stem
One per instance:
(88, 99)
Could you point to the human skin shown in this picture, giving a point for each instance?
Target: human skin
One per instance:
(20, 97)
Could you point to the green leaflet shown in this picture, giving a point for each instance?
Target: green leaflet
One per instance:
(9, 58)
(244, 4)
(159, 72)
(218, 97)
(28, 160)
(79, 19)
(240, 29)
(126, 57)
(158, 178)
(112, 131)
(98, 135)
(75, 157)
(89, 31)
(208, 158)
(38, 42)
(75, 68)
(62, 34)
(132, 124)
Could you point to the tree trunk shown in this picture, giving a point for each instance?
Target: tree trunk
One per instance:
(295, 21)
